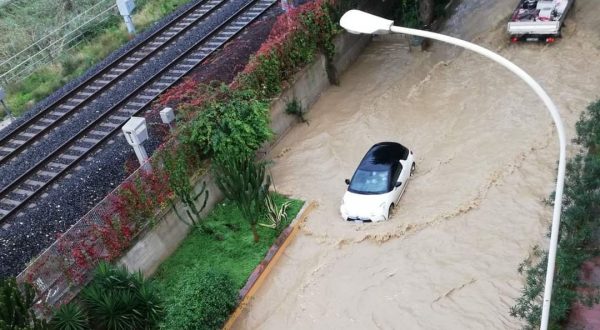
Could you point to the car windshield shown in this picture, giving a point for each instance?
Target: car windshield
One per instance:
(369, 182)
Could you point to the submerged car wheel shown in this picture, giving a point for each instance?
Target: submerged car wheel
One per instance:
(412, 168)
(390, 211)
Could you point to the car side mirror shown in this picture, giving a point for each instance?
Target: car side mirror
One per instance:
(347, 181)
(398, 184)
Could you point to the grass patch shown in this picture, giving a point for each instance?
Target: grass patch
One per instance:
(71, 64)
(225, 246)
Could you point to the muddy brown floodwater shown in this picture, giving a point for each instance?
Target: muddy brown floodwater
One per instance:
(486, 155)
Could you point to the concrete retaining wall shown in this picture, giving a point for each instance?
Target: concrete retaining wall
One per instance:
(155, 245)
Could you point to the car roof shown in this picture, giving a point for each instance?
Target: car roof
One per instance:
(383, 156)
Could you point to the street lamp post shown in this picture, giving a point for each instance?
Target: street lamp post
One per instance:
(356, 21)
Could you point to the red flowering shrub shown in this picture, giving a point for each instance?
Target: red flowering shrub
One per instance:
(138, 198)
(295, 39)
(182, 93)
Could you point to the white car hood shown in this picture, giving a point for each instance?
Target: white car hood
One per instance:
(358, 205)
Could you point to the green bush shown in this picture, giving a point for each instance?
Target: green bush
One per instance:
(204, 301)
(117, 299)
(16, 302)
(407, 14)
(236, 124)
(244, 182)
(577, 238)
(266, 79)
(588, 127)
(294, 41)
(294, 108)
(70, 317)
(181, 163)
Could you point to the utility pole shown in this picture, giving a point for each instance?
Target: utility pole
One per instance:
(6, 109)
(126, 8)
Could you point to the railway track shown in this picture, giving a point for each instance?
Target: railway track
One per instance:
(17, 141)
(18, 193)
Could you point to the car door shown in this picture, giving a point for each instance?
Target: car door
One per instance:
(396, 177)
(404, 175)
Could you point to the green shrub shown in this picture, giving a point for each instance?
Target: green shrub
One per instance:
(236, 124)
(407, 14)
(577, 236)
(294, 41)
(69, 317)
(266, 79)
(295, 108)
(204, 301)
(16, 302)
(588, 127)
(179, 163)
(116, 299)
(244, 181)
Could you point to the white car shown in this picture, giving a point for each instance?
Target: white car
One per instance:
(378, 183)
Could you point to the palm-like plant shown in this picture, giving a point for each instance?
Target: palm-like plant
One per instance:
(118, 300)
(15, 306)
(275, 215)
(70, 317)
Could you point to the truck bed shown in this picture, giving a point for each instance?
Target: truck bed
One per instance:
(538, 18)
(540, 10)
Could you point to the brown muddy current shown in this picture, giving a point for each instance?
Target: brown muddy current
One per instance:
(486, 154)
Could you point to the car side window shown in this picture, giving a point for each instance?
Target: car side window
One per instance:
(397, 173)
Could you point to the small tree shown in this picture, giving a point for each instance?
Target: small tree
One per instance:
(16, 307)
(244, 181)
(176, 164)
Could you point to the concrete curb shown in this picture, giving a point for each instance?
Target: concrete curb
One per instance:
(262, 271)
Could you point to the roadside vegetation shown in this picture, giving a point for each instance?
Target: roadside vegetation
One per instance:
(114, 299)
(578, 239)
(201, 280)
(23, 23)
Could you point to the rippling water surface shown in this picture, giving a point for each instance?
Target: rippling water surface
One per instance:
(486, 153)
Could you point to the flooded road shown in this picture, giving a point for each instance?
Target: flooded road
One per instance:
(486, 153)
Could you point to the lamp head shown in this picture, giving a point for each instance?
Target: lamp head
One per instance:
(358, 22)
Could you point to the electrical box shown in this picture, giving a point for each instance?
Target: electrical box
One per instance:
(167, 115)
(126, 7)
(135, 131)
(2, 94)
